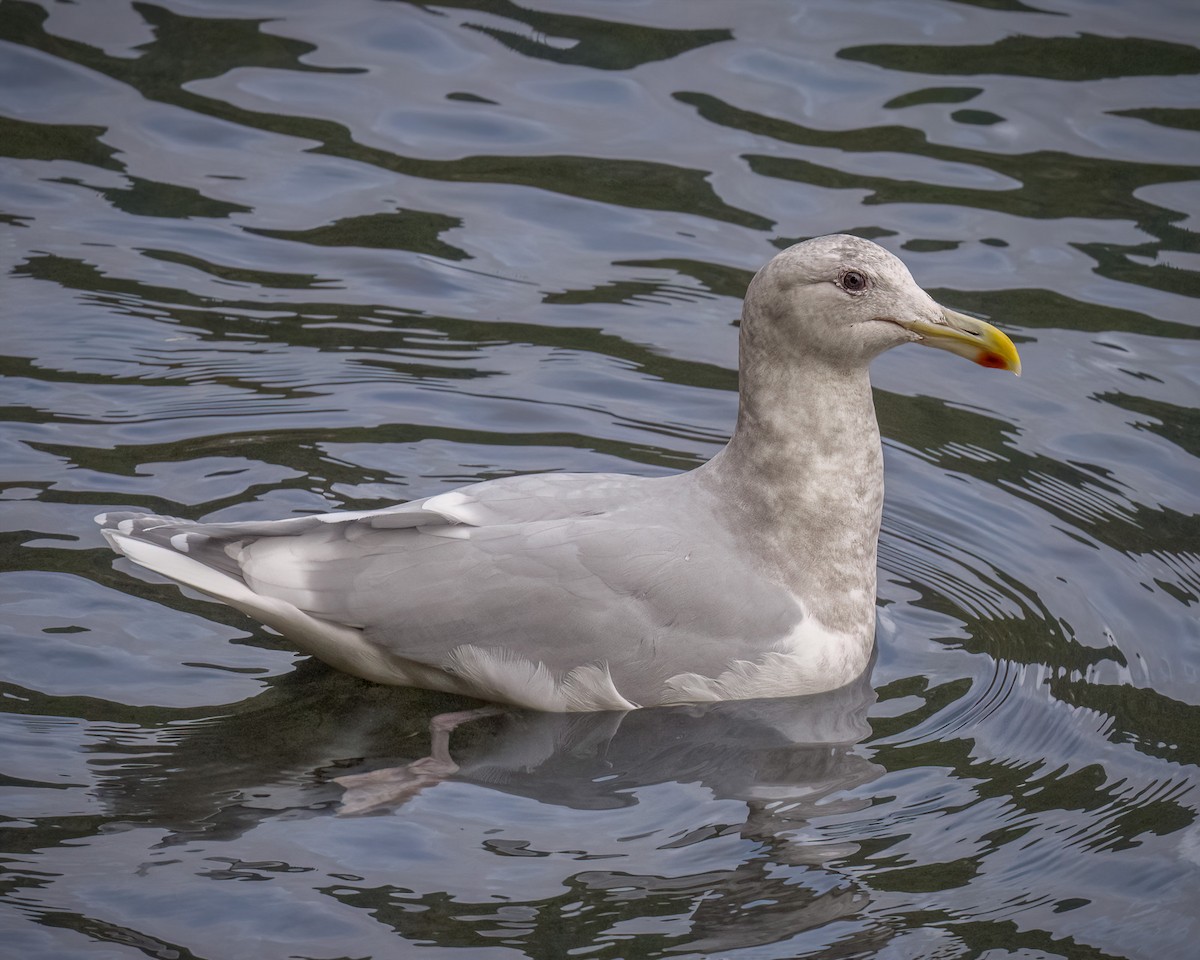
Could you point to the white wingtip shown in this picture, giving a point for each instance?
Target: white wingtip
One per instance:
(112, 538)
(178, 567)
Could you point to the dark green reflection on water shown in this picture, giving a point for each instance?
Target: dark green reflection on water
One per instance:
(26, 140)
(416, 230)
(1048, 184)
(217, 45)
(600, 44)
(1083, 57)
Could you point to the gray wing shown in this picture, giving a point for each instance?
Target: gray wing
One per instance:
(556, 571)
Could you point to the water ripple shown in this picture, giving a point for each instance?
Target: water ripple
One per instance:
(261, 259)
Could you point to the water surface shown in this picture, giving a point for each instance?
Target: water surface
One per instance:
(261, 259)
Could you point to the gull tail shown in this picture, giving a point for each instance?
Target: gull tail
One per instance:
(205, 557)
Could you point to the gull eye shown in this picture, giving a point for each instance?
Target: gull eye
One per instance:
(852, 281)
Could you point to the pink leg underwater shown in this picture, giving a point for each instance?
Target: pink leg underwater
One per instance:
(391, 786)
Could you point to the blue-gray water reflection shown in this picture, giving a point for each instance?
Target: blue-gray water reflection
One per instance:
(275, 257)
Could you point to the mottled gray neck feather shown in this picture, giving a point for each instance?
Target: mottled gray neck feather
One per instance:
(802, 480)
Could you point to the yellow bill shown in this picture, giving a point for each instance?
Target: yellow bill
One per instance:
(974, 339)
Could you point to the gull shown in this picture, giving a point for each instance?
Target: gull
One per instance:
(751, 576)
